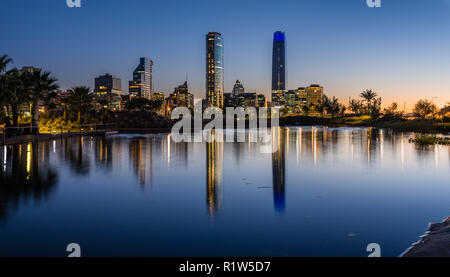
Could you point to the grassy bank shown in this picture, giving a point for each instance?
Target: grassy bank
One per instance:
(399, 124)
(104, 120)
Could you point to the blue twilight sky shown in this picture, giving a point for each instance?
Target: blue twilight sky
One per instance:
(401, 50)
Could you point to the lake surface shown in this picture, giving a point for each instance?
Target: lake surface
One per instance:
(325, 192)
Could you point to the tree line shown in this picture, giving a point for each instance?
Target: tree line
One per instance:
(32, 88)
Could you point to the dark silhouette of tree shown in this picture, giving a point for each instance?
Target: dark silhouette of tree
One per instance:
(80, 99)
(42, 86)
(424, 108)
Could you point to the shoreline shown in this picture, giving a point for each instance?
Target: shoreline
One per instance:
(434, 243)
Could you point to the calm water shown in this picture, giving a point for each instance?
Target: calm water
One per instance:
(326, 192)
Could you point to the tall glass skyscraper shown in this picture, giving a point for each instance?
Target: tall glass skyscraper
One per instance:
(142, 84)
(279, 62)
(214, 70)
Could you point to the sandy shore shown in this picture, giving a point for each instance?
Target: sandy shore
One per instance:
(435, 243)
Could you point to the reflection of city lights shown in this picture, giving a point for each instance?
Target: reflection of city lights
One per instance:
(368, 146)
(28, 160)
(314, 143)
(352, 147)
(403, 152)
(4, 157)
(214, 155)
(381, 145)
(436, 156)
(168, 149)
(301, 140)
(287, 139)
(299, 143)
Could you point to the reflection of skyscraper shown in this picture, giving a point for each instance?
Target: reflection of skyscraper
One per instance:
(103, 152)
(214, 168)
(142, 84)
(141, 159)
(278, 171)
(214, 69)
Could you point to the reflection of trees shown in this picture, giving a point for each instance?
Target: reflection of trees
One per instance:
(24, 177)
(73, 153)
(279, 171)
(214, 174)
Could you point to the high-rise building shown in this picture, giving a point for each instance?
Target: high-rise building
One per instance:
(291, 101)
(180, 98)
(314, 95)
(278, 69)
(108, 91)
(214, 69)
(238, 88)
(142, 84)
(108, 84)
(279, 62)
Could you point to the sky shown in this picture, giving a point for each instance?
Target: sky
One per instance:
(401, 50)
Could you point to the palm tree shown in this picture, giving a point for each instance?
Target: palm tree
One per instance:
(423, 108)
(332, 105)
(368, 95)
(371, 100)
(80, 98)
(4, 61)
(14, 92)
(41, 87)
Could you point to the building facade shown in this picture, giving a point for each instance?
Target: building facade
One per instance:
(108, 91)
(278, 69)
(314, 95)
(278, 99)
(158, 96)
(214, 70)
(142, 83)
(179, 98)
(238, 88)
(279, 62)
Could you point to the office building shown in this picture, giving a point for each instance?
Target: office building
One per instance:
(142, 83)
(238, 88)
(108, 91)
(314, 95)
(214, 70)
(279, 62)
(179, 98)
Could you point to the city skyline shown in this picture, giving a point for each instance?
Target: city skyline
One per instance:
(390, 50)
